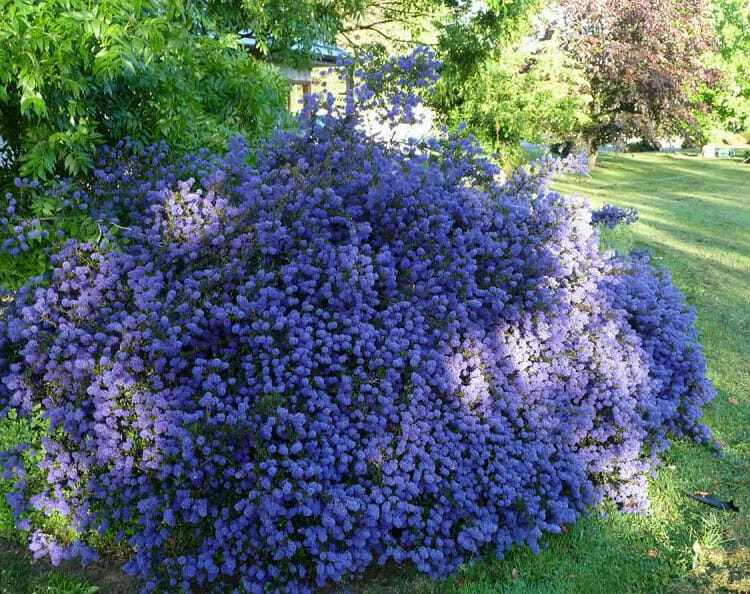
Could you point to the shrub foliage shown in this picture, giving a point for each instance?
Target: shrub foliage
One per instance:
(342, 354)
(75, 75)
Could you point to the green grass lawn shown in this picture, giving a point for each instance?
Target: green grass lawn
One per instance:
(695, 217)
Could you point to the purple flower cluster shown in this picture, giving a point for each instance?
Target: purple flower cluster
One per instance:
(536, 178)
(656, 311)
(392, 86)
(342, 354)
(17, 232)
(35, 221)
(610, 216)
(21, 235)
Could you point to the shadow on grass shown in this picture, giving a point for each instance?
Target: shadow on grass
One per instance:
(675, 241)
(21, 574)
(647, 170)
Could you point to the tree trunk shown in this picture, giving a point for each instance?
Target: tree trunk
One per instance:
(708, 151)
(591, 147)
(593, 152)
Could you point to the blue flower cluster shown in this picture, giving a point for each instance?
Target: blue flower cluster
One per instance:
(35, 221)
(393, 87)
(343, 354)
(610, 216)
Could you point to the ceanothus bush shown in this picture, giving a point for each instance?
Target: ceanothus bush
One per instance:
(342, 354)
(610, 216)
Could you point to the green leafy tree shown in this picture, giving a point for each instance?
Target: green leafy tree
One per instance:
(464, 32)
(75, 74)
(730, 100)
(284, 30)
(469, 40)
(468, 37)
(475, 35)
(529, 91)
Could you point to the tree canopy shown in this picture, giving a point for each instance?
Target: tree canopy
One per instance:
(527, 91)
(642, 63)
(76, 74)
(731, 100)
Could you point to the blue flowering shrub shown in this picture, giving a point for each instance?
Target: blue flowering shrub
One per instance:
(613, 224)
(35, 223)
(610, 216)
(338, 353)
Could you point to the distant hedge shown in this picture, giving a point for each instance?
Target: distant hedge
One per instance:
(343, 354)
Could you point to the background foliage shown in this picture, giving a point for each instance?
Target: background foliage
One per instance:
(642, 62)
(730, 100)
(528, 91)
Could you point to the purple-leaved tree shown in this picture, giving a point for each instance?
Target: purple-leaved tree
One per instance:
(642, 63)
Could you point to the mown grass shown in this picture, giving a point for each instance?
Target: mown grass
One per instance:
(695, 217)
